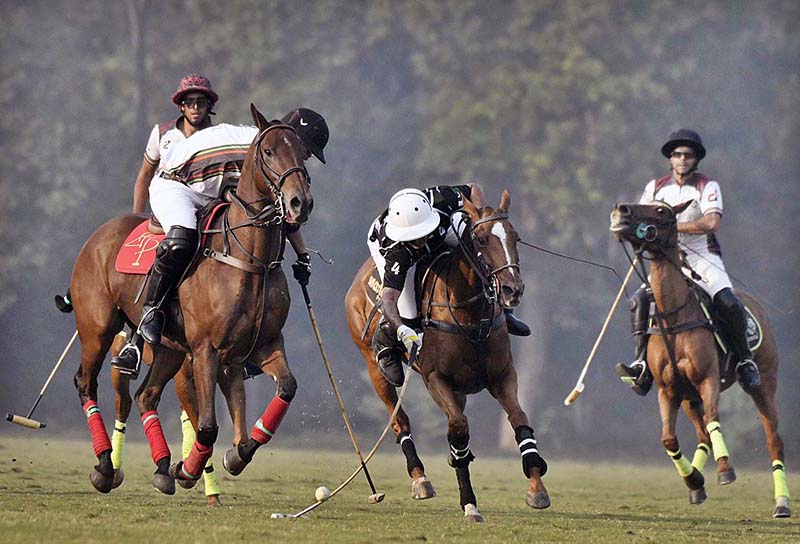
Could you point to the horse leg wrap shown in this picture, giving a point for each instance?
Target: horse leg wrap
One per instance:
(717, 442)
(188, 435)
(460, 454)
(192, 467)
(117, 443)
(155, 436)
(465, 491)
(266, 426)
(531, 458)
(701, 456)
(100, 441)
(779, 479)
(207, 435)
(210, 479)
(681, 463)
(410, 451)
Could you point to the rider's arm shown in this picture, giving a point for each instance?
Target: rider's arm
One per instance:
(298, 244)
(142, 185)
(707, 224)
(389, 297)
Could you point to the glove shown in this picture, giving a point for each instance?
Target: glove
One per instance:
(409, 337)
(302, 269)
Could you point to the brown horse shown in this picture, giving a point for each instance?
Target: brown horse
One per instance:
(684, 360)
(230, 307)
(466, 347)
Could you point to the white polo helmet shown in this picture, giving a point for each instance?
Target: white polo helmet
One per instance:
(410, 216)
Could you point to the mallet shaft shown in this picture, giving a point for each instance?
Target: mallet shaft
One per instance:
(579, 386)
(53, 373)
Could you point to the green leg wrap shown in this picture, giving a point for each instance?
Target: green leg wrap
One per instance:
(700, 456)
(717, 442)
(188, 435)
(681, 463)
(117, 444)
(779, 477)
(210, 479)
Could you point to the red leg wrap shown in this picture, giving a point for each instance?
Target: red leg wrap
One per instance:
(155, 436)
(267, 424)
(100, 440)
(194, 464)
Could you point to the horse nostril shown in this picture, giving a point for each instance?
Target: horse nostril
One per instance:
(295, 203)
(507, 291)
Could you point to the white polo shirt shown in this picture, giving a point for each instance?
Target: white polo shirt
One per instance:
(161, 139)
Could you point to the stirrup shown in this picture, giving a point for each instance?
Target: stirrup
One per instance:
(748, 375)
(636, 376)
(128, 361)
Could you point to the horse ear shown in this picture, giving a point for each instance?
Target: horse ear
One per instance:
(470, 208)
(260, 121)
(505, 202)
(681, 207)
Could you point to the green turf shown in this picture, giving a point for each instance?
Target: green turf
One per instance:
(46, 497)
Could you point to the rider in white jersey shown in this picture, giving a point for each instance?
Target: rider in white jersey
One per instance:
(697, 226)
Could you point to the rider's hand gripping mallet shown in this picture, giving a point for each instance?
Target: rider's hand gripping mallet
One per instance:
(32, 423)
(376, 497)
(579, 386)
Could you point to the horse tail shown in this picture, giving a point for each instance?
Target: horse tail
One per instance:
(64, 303)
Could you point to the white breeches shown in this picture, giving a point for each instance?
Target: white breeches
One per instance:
(711, 269)
(174, 204)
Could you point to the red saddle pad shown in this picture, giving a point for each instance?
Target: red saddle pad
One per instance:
(137, 254)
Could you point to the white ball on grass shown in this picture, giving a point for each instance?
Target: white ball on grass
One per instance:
(322, 493)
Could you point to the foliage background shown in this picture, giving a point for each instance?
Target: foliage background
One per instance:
(566, 103)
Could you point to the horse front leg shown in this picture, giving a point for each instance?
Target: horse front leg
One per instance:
(694, 411)
(121, 385)
(166, 364)
(273, 363)
(533, 465)
(709, 392)
(668, 409)
(184, 388)
(205, 369)
(452, 404)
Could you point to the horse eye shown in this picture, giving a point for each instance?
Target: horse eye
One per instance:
(268, 152)
(482, 241)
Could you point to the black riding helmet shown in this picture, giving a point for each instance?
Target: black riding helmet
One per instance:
(312, 129)
(687, 137)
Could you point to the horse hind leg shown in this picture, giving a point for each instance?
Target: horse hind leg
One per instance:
(764, 398)
(121, 385)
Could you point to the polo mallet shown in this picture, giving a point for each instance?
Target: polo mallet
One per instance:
(376, 497)
(32, 423)
(578, 389)
(400, 396)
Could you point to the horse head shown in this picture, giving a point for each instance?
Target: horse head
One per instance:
(495, 242)
(279, 170)
(651, 227)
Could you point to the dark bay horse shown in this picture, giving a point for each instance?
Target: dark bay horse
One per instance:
(689, 376)
(466, 347)
(230, 307)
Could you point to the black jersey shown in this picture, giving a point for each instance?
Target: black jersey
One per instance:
(400, 256)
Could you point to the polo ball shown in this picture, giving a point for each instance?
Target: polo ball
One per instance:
(322, 493)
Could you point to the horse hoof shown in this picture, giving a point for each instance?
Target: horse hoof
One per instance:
(213, 501)
(782, 508)
(471, 514)
(422, 488)
(233, 462)
(164, 483)
(102, 483)
(539, 500)
(697, 496)
(119, 477)
(175, 473)
(727, 477)
(186, 484)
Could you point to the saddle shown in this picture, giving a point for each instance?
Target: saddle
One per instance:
(712, 321)
(137, 253)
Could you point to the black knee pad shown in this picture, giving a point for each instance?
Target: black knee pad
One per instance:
(529, 451)
(207, 436)
(177, 248)
(639, 305)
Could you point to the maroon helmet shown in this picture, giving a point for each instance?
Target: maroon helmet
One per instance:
(194, 83)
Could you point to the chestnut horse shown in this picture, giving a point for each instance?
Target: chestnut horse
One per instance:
(466, 347)
(231, 306)
(684, 359)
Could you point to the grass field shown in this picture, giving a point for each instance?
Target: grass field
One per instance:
(46, 497)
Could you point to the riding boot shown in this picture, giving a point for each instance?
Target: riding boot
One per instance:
(389, 354)
(173, 255)
(515, 325)
(733, 318)
(636, 374)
